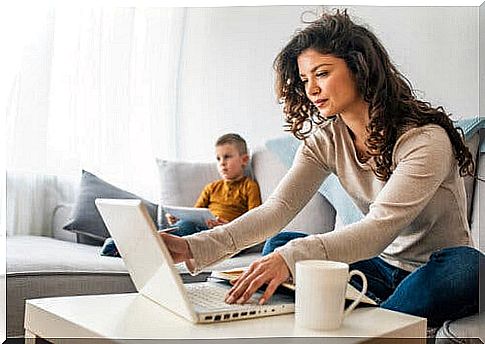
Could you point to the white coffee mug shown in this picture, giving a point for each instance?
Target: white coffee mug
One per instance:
(320, 293)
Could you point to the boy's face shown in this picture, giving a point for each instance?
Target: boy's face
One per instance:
(230, 163)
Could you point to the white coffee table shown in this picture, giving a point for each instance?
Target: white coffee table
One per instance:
(132, 316)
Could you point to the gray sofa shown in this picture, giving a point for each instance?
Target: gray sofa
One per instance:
(41, 266)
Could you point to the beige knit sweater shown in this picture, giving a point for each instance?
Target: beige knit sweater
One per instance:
(420, 209)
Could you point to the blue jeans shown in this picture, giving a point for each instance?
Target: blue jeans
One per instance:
(445, 288)
(187, 228)
(184, 228)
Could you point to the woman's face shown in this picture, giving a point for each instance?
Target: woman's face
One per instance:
(329, 84)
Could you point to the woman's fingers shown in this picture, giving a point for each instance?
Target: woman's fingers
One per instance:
(256, 283)
(243, 286)
(237, 283)
(270, 290)
(271, 269)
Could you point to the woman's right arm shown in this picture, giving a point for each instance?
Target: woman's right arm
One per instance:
(292, 194)
(178, 248)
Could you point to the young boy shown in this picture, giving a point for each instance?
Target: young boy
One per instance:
(227, 198)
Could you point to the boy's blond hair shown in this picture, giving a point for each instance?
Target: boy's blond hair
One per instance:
(234, 139)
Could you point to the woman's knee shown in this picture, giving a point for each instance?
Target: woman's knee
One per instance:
(458, 254)
(462, 260)
(445, 288)
(280, 239)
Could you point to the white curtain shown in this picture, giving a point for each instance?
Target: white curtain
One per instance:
(96, 90)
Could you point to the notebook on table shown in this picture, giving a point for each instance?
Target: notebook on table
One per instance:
(152, 270)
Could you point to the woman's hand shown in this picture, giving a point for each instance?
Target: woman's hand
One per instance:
(217, 222)
(271, 269)
(178, 247)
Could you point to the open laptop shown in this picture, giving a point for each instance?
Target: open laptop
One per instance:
(152, 270)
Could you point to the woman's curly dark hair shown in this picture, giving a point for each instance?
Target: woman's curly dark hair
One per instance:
(393, 106)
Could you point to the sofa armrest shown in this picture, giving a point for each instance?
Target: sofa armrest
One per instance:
(61, 215)
(32, 199)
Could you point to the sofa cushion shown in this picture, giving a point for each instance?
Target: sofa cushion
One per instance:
(54, 256)
(86, 219)
(46, 267)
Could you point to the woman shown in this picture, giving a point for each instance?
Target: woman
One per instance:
(400, 159)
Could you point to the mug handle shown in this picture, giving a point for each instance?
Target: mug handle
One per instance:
(362, 293)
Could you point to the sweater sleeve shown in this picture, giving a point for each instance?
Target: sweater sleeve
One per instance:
(290, 196)
(423, 159)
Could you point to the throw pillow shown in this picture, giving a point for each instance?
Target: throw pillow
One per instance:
(286, 147)
(85, 218)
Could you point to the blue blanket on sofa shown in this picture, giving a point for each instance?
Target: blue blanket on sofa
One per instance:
(285, 148)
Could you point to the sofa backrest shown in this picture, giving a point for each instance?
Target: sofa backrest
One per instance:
(477, 205)
(181, 181)
(473, 145)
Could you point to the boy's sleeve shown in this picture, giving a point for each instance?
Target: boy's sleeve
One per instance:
(254, 195)
(204, 197)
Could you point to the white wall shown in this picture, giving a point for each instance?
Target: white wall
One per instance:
(226, 75)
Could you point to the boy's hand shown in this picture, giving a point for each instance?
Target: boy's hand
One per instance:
(171, 219)
(217, 222)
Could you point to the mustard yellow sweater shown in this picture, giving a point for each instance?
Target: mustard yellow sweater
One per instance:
(230, 199)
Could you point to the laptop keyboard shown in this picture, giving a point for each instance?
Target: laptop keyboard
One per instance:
(208, 301)
(211, 296)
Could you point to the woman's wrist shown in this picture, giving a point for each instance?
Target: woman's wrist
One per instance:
(189, 255)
